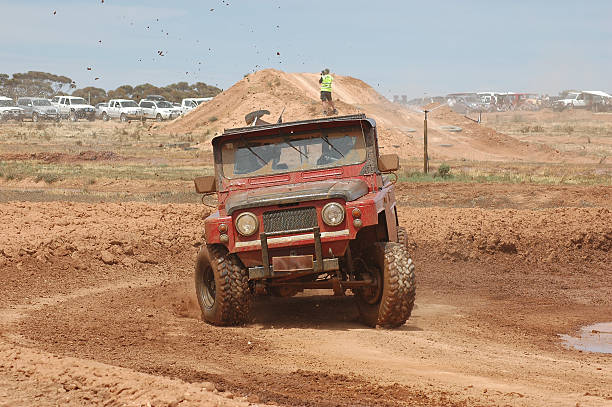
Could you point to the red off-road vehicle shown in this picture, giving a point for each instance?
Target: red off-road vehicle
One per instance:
(304, 205)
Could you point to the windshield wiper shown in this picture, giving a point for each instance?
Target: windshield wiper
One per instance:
(248, 147)
(324, 138)
(294, 147)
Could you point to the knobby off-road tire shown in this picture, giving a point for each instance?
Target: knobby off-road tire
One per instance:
(402, 236)
(222, 287)
(105, 117)
(396, 273)
(73, 116)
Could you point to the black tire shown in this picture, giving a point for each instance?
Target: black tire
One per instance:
(222, 287)
(393, 269)
(123, 118)
(105, 117)
(35, 117)
(158, 117)
(72, 116)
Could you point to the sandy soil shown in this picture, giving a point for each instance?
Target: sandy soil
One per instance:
(400, 128)
(97, 307)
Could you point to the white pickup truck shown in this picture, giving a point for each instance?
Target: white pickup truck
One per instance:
(122, 109)
(9, 110)
(159, 110)
(189, 104)
(73, 108)
(572, 100)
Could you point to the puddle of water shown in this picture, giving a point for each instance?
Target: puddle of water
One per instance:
(593, 338)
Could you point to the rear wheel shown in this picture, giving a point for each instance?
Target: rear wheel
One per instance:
(158, 117)
(105, 117)
(72, 116)
(390, 300)
(123, 117)
(222, 287)
(35, 117)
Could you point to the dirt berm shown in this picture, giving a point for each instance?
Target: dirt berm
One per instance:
(400, 129)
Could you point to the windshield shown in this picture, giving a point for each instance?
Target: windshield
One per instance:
(6, 103)
(286, 153)
(41, 102)
(78, 101)
(572, 96)
(129, 104)
(164, 104)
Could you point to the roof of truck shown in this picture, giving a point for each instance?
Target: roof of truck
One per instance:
(312, 123)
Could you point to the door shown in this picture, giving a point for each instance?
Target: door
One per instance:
(113, 111)
(148, 109)
(64, 106)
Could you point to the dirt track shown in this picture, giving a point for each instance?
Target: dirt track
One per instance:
(97, 307)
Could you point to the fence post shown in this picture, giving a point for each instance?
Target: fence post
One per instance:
(425, 157)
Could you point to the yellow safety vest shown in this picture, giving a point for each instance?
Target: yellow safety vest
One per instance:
(326, 83)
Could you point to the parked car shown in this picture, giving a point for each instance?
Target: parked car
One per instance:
(159, 110)
(122, 109)
(156, 98)
(9, 110)
(189, 104)
(38, 109)
(98, 109)
(572, 100)
(74, 108)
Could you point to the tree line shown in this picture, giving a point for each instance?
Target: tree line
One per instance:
(47, 85)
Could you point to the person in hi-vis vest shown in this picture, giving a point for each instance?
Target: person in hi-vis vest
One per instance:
(326, 88)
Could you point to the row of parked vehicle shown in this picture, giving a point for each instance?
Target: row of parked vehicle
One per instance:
(74, 108)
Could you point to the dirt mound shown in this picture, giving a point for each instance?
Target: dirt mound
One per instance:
(268, 89)
(400, 129)
(53, 157)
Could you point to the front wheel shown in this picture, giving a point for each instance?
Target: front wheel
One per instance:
(389, 302)
(123, 117)
(158, 117)
(35, 117)
(72, 116)
(222, 287)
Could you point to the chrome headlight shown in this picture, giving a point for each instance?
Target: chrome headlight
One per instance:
(332, 214)
(247, 224)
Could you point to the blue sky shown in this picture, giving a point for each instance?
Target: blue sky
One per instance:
(399, 47)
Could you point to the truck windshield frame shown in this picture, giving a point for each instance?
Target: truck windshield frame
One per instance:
(292, 152)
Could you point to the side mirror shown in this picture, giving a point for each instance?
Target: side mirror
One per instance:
(205, 185)
(388, 163)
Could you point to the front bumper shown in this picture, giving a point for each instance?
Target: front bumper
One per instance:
(288, 265)
(11, 114)
(84, 114)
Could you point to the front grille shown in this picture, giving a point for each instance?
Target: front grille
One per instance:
(290, 219)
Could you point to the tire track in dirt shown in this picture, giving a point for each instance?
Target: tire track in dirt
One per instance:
(112, 284)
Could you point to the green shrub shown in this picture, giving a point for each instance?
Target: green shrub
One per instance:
(443, 171)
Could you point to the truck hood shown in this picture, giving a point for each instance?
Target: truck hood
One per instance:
(347, 189)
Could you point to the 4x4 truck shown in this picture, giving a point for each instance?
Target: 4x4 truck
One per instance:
(303, 205)
(122, 109)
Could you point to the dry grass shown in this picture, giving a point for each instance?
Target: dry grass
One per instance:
(160, 168)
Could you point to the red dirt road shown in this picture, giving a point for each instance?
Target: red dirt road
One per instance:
(97, 307)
